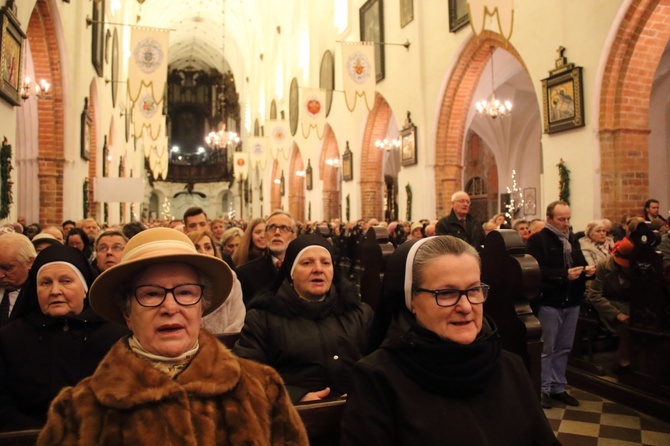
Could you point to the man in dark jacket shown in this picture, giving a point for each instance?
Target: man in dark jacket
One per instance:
(564, 270)
(460, 223)
(259, 274)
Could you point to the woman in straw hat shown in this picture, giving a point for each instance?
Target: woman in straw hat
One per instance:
(170, 382)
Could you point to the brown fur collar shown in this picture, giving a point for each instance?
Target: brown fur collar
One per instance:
(213, 371)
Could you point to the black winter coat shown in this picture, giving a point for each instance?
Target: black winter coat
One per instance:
(39, 355)
(313, 345)
(387, 407)
(557, 290)
(256, 276)
(472, 233)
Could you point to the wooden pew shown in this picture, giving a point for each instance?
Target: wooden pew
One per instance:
(19, 438)
(322, 421)
(515, 280)
(375, 251)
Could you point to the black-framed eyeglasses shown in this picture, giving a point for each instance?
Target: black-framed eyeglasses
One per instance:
(449, 297)
(282, 228)
(186, 294)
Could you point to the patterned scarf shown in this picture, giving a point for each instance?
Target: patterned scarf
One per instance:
(567, 247)
(169, 366)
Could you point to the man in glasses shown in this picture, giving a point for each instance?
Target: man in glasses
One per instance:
(108, 250)
(260, 273)
(460, 223)
(564, 271)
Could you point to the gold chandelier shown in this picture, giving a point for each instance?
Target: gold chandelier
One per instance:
(493, 107)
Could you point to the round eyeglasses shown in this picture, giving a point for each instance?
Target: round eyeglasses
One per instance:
(186, 294)
(449, 297)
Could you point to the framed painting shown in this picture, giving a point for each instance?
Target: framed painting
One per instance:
(563, 100)
(406, 12)
(308, 176)
(293, 106)
(347, 164)
(458, 15)
(115, 67)
(529, 201)
(98, 36)
(11, 57)
(408, 144)
(371, 17)
(86, 123)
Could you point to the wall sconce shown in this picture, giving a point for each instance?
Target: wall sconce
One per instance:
(30, 88)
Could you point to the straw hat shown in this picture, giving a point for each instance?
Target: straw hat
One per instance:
(43, 237)
(154, 247)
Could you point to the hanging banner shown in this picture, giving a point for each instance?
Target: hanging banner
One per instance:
(279, 137)
(487, 14)
(258, 151)
(159, 159)
(147, 75)
(241, 165)
(358, 64)
(313, 103)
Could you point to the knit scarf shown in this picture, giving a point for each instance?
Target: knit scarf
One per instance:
(567, 247)
(167, 365)
(441, 366)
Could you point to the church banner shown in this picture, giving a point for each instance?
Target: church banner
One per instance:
(241, 165)
(279, 137)
(485, 13)
(358, 63)
(147, 75)
(258, 151)
(313, 103)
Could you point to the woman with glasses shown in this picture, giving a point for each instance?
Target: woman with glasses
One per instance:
(311, 326)
(170, 382)
(438, 374)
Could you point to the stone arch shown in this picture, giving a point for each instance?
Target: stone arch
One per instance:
(453, 114)
(275, 196)
(296, 185)
(44, 47)
(330, 176)
(371, 181)
(624, 106)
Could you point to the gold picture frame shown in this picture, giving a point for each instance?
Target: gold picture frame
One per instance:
(406, 12)
(563, 97)
(347, 164)
(371, 16)
(408, 143)
(11, 56)
(86, 140)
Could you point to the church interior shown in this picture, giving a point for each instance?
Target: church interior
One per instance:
(340, 110)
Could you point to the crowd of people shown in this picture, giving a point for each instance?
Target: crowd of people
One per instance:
(92, 346)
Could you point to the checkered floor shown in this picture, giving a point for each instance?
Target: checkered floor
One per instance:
(599, 422)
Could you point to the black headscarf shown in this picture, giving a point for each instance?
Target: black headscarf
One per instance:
(438, 365)
(53, 253)
(298, 244)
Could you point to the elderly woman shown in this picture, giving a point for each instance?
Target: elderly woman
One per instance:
(231, 240)
(170, 382)
(253, 244)
(229, 317)
(440, 375)
(56, 341)
(311, 327)
(594, 244)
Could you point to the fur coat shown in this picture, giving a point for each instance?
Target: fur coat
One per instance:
(218, 399)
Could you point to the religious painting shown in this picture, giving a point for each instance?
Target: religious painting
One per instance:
(327, 78)
(308, 176)
(562, 100)
(347, 164)
(86, 123)
(11, 57)
(458, 15)
(529, 201)
(293, 106)
(408, 145)
(372, 30)
(115, 67)
(98, 36)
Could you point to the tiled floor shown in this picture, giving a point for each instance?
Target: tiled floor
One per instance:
(599, 422)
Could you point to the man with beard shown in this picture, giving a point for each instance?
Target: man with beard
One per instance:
(259, 274)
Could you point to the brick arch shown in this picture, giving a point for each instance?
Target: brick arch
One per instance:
(296, 185)
(330, 176)
(275, 195)
(453, 113)
(94, 210)
(44, 47)
(624, 106)
(371, 182)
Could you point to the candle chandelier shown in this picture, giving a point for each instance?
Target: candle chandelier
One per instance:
(493, 107)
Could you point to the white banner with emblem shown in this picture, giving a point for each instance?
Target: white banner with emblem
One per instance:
(279, 137)
(313, 103)
(358, 64)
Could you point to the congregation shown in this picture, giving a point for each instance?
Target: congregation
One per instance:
(286, 289)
